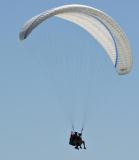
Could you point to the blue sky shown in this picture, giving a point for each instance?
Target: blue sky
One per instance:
(45, 82)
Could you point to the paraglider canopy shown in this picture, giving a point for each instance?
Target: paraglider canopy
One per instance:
(101, 26)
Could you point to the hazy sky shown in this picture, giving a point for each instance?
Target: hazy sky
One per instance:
(55, 76)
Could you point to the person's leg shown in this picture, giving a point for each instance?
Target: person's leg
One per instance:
(76, 147)
(83, 142)
(76, 144)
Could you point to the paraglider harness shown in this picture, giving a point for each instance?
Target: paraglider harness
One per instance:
(76, 139)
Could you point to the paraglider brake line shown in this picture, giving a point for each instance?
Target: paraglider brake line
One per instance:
(72, 127)
(81, 130)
